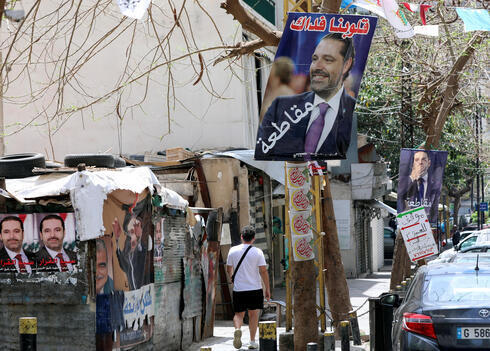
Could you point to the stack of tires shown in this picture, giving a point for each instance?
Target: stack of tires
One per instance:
(21, 165)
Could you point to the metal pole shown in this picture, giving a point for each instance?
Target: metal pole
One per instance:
(478, 170)
(28, 333)
(289, 293)
(319, 241)
(267, 336)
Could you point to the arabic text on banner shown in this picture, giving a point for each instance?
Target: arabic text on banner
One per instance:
(417, 234)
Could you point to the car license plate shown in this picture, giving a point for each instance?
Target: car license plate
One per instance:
(473, 332)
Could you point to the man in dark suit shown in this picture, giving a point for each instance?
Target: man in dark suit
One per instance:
(317, 124)
(133, 256)
(12, 257)
(52, 256)
(422, 190)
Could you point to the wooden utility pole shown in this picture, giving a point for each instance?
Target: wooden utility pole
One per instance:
(304, 292)
(335, 279)
(303, 279)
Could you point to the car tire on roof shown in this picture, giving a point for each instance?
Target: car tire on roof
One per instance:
(119, 162)
(97, 160)
(20, 165)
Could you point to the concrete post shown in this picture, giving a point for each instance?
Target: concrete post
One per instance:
(329, 340)
(267, 336)
(28, 333)
(344, 336)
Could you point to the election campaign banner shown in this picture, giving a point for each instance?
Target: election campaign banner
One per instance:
(420, 180)
(417, 234)
(312, 88)
(38, 242)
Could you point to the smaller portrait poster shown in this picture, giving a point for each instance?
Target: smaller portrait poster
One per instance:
(38, 242)
(417, 234)
(298, 176)
(159, 239)
(302, 247)
(311, 93)
(420, 179)
(301, 222)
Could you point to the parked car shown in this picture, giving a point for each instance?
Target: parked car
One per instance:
(483, 236)
(481, 247)
(389, 242)
(447, 307)
(466, 257)
(447, 255)
(464, 234)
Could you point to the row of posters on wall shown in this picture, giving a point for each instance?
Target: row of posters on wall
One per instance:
(309, 101)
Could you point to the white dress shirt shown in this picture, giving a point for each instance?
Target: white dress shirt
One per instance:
(24, 259)
(330, 115)
(65, 258)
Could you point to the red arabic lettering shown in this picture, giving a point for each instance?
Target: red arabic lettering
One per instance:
(305, 23)
(300, 200)
(303, 247)
(349, 29)
(300, 224)
(296, 177)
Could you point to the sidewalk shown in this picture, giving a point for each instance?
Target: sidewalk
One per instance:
(360, 290)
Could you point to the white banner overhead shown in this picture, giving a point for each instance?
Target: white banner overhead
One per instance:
(133, 8)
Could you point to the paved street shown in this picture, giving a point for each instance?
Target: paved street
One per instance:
(360, 290)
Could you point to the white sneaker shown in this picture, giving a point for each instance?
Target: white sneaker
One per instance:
(253, 345)
(237, 336)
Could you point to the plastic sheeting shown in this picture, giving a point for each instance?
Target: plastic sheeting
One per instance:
(89, 189)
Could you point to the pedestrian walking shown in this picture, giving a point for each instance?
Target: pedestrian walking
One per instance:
(456, 236)
(246, 266)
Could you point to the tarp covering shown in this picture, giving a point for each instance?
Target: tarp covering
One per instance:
(89, 189)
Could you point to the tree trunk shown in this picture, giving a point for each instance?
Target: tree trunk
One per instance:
(335, 280)
(457, 205)
(401, 262)
(304, 292)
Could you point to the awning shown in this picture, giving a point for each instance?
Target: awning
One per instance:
(382, 205)
(274, 169)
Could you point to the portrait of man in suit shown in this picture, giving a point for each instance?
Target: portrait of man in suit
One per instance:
(52, 256)
(420, 181)
(13, 258)
(315, 124)
(132, 258)
(103, 282)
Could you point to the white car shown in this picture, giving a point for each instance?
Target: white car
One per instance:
(447, 255)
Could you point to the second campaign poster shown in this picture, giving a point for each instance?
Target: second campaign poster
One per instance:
(420, 180)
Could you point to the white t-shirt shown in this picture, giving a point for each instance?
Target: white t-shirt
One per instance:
(248, 276)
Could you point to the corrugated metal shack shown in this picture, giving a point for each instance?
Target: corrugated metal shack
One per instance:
(137, 279)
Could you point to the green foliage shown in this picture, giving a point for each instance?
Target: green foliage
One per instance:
(417, 64)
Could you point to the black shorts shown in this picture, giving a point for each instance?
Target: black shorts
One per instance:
(248, 300)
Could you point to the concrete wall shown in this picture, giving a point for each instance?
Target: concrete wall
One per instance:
(211, 114)
(342, 195)
(65, 313)
(167, 335)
